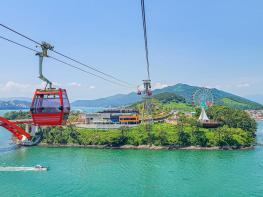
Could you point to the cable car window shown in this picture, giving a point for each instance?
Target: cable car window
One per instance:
(65, 102)
(46, 104)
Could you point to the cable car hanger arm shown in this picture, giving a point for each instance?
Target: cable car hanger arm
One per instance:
(45, 47)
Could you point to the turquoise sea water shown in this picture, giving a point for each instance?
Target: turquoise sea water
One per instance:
(81, 109)
(96, 172)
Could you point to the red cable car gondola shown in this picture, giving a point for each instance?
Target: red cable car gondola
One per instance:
(50, 106)
(149, 93)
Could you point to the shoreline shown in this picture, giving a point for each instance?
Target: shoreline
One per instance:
(144, 147)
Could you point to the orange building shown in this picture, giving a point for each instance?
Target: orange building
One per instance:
(129, 119)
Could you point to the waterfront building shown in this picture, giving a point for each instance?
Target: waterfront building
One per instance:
(112, 116)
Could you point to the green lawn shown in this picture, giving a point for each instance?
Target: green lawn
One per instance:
(180, 106)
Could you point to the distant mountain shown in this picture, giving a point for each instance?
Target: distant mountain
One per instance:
(16, 99)
(14, 104)
(183, 90)
(111, 101)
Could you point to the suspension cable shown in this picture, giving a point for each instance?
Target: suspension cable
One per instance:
(31, 49)
(20, 34)
(92, 68)
(72, 59)
(70, 65)
(145, 38)
(11, 41)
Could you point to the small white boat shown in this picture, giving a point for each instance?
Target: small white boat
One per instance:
(40, 168)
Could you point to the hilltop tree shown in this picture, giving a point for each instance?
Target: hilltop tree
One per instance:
(232, 117)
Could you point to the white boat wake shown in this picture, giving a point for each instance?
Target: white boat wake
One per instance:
(16, 169)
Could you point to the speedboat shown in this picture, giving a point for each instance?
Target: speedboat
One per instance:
(40, 168)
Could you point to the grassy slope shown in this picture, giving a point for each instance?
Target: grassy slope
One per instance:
(236, 104)
(180, 106)
(233, 103)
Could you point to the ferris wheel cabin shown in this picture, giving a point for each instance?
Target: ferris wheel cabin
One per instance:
(50, 107)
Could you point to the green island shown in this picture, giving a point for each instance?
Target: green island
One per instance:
(237, 131)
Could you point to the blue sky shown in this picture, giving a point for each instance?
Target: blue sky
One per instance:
(207, 43)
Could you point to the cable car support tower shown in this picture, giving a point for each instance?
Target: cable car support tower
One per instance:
(146, 92)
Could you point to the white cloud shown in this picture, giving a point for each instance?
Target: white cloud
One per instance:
(56, 84)
(243, 85)
(13, 86)
(218, 86)
(156, 85)
(13, 89)
(231, 86)
(42, 85)
(92, 87)
(140, 87)
(74, 84)
(207, 86)
(159, 85)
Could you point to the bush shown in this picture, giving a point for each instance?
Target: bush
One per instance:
(233, 118)
(199, 138)
(234, 137)
(183, 138)
(14, 115)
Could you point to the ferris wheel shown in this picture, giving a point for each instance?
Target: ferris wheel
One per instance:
(203, 98)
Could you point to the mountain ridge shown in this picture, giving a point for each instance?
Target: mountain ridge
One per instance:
(184, 90)
(14, 105)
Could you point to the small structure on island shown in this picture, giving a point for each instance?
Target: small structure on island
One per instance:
(203, 117)
(204, 99)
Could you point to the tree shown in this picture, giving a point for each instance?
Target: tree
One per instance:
(233, 118)
(199, 138)
(183, 138)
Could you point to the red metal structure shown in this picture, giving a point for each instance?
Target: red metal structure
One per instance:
(50, 107)
(13, 128)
